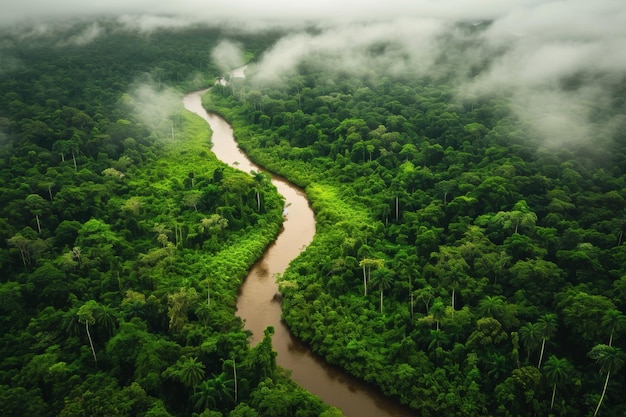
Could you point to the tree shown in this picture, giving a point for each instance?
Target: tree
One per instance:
(178, 305)
(192, 199)
(383, 277)
(583, 313)
(610, 360)
(261, 180)
(519, 217)
(614, 321)
(438, 311)
(557, 370)
(212, 392)
(24, 245)
(426, 295)
(261, 362)
(86, 315)
(367, 265)
(488, 334)
(497, 365)
(190, 371)
(547, 326)
(406, 269)
(437, 338)
(530, 335)
(451, 269)
(213, 224)
(477, 130)
(491, 306)
(36, 205)
(106, 318)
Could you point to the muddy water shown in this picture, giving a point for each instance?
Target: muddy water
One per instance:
(257, 308)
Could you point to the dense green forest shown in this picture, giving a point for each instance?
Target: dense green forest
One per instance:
(460, 264)
(123, 241)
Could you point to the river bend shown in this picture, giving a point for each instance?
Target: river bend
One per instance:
(256, 306)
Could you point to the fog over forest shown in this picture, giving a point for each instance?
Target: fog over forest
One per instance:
(556, 61)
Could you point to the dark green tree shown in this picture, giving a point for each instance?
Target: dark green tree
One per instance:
(610, 360)
(557, 371)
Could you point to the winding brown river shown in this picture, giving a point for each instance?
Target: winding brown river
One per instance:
(256, 306)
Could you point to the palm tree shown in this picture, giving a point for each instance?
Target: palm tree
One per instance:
(556, 371)
(212, 392)
(191, 371)
(437, 338)
(406, 268)
(106, 318)
(530, 335)
(491, 306)
(367, 265)
(438, 311)
(260, 182)
(70, 324)
(497, 365)
(203, 397)
(547, 325)
(610, 360)
(615, 321)
(383, 277)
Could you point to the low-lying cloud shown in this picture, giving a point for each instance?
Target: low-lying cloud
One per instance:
(154, 107)
(555, 61)
(227, 55)
(277, 12)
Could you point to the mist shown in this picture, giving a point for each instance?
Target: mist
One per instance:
(153, 107)
(227, 55)
(554, 62)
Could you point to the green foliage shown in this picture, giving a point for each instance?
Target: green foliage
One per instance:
(124, 241)
(115, 225)
(513, 248)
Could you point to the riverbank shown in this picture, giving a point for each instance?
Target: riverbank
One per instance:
(257, 307)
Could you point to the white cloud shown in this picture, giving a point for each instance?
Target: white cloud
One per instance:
(540, 43)
(86, 36)
(227, 55)
(153, 106)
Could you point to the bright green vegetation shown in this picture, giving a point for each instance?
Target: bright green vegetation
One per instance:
(459, 265)
(123, 240)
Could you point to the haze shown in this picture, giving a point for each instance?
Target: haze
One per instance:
(531, 46)
(271, 10)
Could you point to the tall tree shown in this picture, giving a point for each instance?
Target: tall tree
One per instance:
(86, 315)
(450, 268)
(367, 264)
(614, 321)
(491, 306)
(36, 205)
(610, 360)
(547, 326)
(383, 278)
(191, 371)
(530, 335)
(438, 311)
(212, 392)
(519, 217)
(556, 371)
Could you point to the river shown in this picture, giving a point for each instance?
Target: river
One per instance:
(256, 306)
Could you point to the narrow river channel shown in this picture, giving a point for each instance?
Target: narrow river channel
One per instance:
(256, 306)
